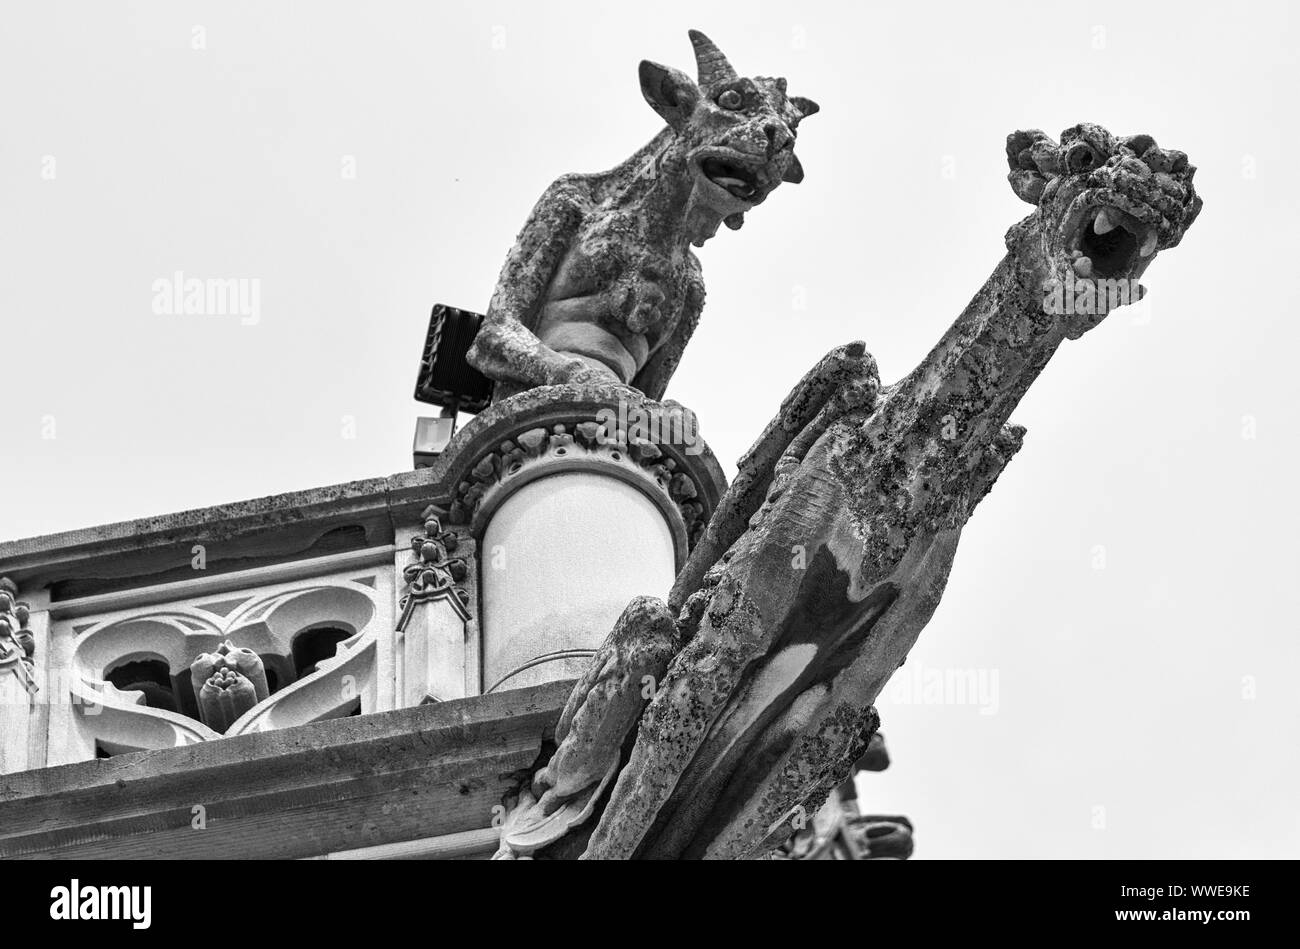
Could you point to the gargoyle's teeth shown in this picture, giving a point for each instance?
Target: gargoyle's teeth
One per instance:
(1149, 245)
(730, 182)
(1083, 267)
(1103, 224)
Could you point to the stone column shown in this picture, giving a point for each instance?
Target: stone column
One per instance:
(565, 555)
(580, 499)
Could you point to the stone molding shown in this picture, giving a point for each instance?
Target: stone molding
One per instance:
(605, 429)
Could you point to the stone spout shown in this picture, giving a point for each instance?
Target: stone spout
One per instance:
(830, 552)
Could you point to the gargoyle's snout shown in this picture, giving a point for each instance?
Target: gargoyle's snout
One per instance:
(779, 138)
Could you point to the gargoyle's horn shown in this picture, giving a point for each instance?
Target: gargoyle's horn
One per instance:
(712, 65)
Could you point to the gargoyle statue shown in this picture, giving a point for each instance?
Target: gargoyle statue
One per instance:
(602, 284)
(831, 549)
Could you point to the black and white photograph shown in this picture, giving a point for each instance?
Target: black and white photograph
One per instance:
(438, 432)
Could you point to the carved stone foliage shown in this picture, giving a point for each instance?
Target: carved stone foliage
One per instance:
(17, 644)
(605, 439)
(434, 570)
(229, 665)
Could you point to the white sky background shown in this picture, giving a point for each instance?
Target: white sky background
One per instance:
(1125, 687)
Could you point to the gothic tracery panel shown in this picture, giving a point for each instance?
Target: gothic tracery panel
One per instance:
(208, 668)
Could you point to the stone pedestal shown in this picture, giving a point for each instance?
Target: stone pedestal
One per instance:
(580, 499)
(563, 556)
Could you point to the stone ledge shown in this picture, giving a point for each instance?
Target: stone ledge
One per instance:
(284, 527)
(331, 786)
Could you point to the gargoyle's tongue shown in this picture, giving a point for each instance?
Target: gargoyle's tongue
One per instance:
(738, 188)
(728, 176)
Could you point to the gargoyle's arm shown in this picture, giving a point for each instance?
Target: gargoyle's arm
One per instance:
(659, 368)
(507, 348)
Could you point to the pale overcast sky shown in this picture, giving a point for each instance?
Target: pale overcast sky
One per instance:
(1126, 591)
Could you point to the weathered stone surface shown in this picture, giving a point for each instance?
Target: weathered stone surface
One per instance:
(831, 550)
(601, 711)
(356, 782)
(602, 285)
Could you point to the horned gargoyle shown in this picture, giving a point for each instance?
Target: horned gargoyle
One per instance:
(831, 549)
(602, 284)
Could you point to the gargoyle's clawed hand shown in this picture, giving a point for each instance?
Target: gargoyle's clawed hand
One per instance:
(1105, 207)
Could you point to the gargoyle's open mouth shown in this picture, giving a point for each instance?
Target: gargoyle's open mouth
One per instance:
(1111, 243)
(737, 180)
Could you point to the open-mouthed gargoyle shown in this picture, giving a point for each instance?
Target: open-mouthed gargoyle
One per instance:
(602, 285)
(831, 549)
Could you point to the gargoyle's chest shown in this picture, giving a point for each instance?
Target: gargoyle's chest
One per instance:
(631, 280)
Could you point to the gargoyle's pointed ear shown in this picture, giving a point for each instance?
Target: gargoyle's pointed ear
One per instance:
(793, 172)
(669, 91)
(806, 107)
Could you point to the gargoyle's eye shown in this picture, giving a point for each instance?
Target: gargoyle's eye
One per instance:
(1080, 157)
(731, 99)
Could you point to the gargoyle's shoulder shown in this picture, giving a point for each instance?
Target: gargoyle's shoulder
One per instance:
(572, 190)
(564, 203)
